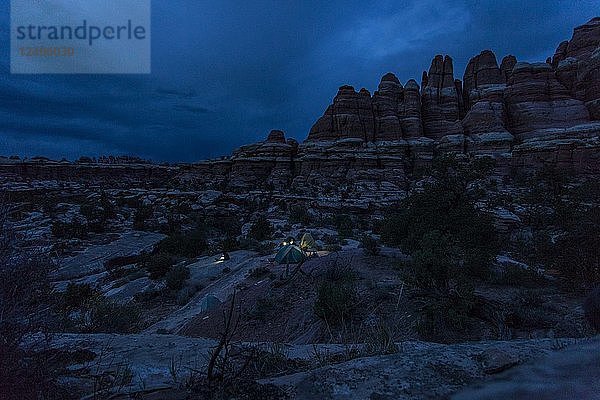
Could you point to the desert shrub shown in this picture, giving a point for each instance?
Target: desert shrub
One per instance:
(97, 212)
(576, 253)
(157, 264)
(141, 215)
(344, 225)
(444, 317)
(78, 296)
(262, 248)
(330, 239)
(176, 277)
(591, 306)
(261, 229)
(336, 295)
(107, 316)
(189, 244)
(380, 340)
(115, 266)
(434, 263)
(147, 296)
(299, 215)
(229, 225)
(565, 220)
(447, 205)
(259, 272)
(230, 243)
(370, 245)
(528, 312)
(121, 261)
(335, 301)
(24, 298)
(68, 230)
(262, 308)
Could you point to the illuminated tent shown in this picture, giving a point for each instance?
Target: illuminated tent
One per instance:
(289, 254)
(307, 242)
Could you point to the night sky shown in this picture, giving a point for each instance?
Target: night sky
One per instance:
(227, 72)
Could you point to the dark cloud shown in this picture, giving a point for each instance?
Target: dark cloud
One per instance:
(225, 73)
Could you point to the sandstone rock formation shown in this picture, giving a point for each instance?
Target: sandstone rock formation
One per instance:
(350, 116)
(440, 100)
(507, 65)
(366, 146)
(265, 163)
(523, 114)
(482, 70)
(536, 100)
(577, 64)
(392, 113)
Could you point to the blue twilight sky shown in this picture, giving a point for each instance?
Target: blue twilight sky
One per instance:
(226, 72)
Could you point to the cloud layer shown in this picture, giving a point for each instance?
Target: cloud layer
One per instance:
(225, 73)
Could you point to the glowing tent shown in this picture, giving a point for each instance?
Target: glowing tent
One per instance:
(307, 242)
(289, 254)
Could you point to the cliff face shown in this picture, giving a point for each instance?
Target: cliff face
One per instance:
(525, 115)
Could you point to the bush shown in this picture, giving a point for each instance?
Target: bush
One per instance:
(157, 264)
(333, 248)
(514, 275)
(78, 296)
(263, 307)
(98, 212)
(68, 230)
(299, 215)
(141, 216)
(335, 302)
(259, 272)
(261, 229)
(344, 225)
(107, 316)
(447, 205)
(177, 276)
(370, 245)
(591, 307)
(191, 244)
(336, 295)
(24, 297)
(434, 263)
(576, 253)
(446, 317)
(230, 243)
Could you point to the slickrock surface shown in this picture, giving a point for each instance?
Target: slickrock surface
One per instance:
(419, 371)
